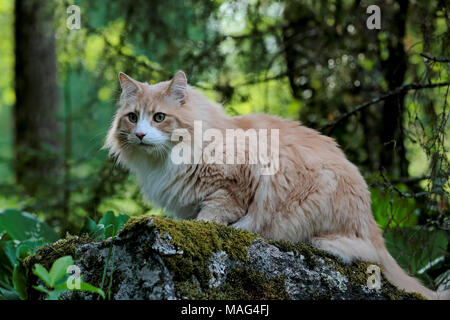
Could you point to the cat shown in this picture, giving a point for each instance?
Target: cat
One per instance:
(316, 195)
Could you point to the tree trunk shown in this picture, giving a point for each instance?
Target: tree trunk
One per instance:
(393, 156)
(37, 131)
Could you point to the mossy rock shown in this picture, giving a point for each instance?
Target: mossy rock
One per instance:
(160, 258)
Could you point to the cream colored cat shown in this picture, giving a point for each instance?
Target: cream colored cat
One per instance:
(316, 196)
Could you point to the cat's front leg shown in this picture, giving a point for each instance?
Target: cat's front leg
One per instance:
(220, 207)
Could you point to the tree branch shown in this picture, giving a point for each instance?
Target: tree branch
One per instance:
(443, 60)
(405, 88)
(413, 195)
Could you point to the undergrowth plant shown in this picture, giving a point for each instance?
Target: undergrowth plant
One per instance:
(57, 280)
(22, 234)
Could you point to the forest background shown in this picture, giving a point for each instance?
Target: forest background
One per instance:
(381, 93)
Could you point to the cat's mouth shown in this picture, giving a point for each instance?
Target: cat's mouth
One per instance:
(142, 144)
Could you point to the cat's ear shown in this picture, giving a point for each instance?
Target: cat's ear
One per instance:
(177, 89)
(130, 87)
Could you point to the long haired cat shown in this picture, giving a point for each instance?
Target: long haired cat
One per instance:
(316, 195)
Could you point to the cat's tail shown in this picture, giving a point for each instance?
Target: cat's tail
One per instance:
(397, 276)
(350, 249)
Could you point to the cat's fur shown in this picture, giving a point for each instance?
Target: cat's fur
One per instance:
(317, 196)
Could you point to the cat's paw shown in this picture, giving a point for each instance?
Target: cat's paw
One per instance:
(244, 223)
(209, 217)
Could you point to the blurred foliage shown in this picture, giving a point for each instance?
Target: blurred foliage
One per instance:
(20, 235)
(407, 246)
(306, 60)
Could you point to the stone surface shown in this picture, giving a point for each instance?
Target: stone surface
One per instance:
(159, 258)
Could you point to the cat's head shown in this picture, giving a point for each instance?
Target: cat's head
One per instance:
(149, 114)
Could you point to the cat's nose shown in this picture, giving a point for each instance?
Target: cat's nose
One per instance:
(140, 135)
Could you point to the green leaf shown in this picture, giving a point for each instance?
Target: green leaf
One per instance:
(8, 261)
(26, 248)
(53, 295)
(59, 269)
(109, 222)
(20, 281)
(24, 226)
(84, 286)
(12, 275)
(90, 227)
(90, 288)
(42, 273)
(41, 288)
(121, 220)
(6, 294)
(112, 223)
(7, 254)
(443, 278)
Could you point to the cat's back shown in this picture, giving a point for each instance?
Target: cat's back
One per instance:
(294, 137)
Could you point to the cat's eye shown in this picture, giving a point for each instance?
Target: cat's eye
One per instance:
(132, 117)
(158, 117)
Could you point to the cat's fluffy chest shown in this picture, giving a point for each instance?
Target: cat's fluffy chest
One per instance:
(163, 186)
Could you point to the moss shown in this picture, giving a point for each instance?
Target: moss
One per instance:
(394, 293)
(242, 283)
(198, 240)
(357, 275)
(47, 254)
(247, 283)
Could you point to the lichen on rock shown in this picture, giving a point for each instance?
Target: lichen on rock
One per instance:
(160, 258)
